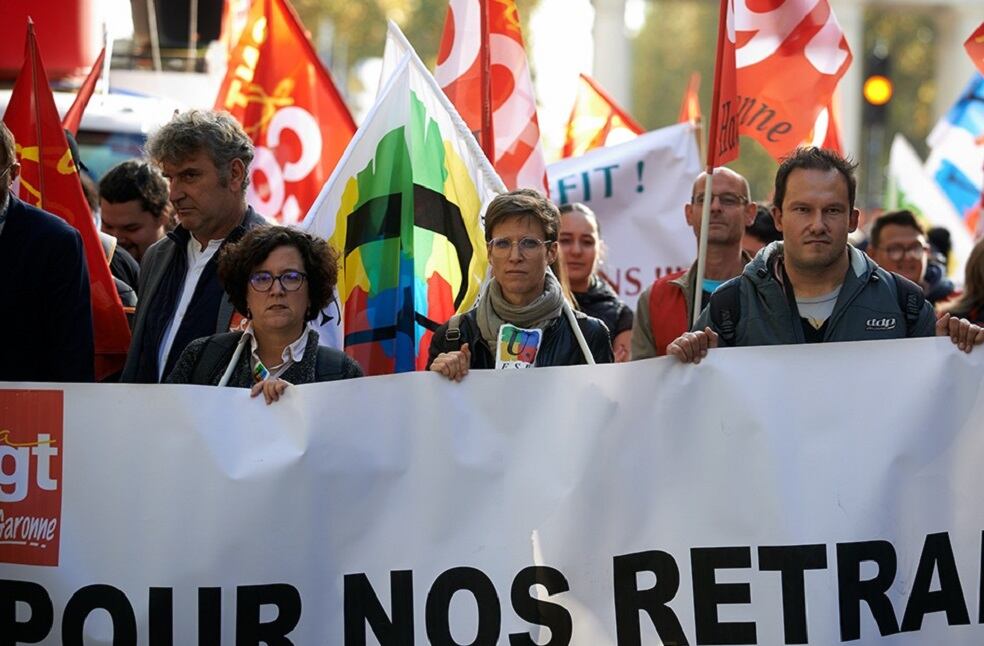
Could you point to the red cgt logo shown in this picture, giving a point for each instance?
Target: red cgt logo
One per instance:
(31, 434)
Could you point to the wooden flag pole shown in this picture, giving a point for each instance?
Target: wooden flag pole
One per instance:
(705, 216)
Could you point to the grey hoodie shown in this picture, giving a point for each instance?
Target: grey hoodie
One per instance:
(867, 307)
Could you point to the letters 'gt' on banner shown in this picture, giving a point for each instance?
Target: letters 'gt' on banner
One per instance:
(482, 67)
(408, 509)
(787, 58)
(286, 101)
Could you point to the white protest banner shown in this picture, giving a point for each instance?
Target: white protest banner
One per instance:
(638, 190)
(834, 497)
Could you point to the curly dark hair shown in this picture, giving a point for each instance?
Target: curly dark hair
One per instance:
(135, 179)
(238, 261)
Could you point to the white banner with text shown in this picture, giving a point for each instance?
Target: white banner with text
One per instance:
(774, 495)
(638, 190)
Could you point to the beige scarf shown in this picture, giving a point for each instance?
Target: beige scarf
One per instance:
(494, 310)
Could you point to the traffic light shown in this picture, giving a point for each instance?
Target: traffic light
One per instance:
(878, 87)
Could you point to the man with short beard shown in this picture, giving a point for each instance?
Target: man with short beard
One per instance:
(813, 286)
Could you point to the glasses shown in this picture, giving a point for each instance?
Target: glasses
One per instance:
(502, 247)
(291, 281)
(7, 170)
(914, 252)
(724, 199)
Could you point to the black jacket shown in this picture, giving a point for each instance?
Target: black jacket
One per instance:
(46, 316)
(558, 348)
(601, 302)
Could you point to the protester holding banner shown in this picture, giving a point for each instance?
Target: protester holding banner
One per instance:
(813, 286)
(521, 318)
(664, 310)
(205, 156)
(46, 325)
(970, 304)
(581, 248)
(279, 279)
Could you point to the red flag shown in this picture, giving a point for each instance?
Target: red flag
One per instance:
(596, 117)
(482, 67)
(722, 143)
(826, 132)
(788, 58)
(975, 47)
(285, 99)
(690, 106)
(49, 180)
(73, 117)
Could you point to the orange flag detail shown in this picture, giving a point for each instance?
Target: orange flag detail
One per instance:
(787, 58)
(73, 117)
(482, 67)
(50, 181)
(975, 47)
(690, 106)
(596, 120)
(285, 99)
(826, 132)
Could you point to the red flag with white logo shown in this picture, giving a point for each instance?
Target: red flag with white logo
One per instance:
(50, 181)
(286, 101)
(482, 67)
(787, 58)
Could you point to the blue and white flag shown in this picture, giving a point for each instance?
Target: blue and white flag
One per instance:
(956, 159)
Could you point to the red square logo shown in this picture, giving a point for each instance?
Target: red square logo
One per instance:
(31, 453)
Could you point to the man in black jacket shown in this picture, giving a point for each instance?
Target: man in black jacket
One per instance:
(46, 319)
(205, 157)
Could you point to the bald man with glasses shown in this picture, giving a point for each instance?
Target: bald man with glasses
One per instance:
(46, 326)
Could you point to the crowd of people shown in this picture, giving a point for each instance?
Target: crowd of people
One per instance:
(219, 296)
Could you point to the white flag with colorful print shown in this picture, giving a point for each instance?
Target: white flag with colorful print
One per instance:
(403, 208)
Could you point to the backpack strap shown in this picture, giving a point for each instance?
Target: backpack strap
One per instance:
(453, 332)
(214, 357)
(725, 310)
(911, 301)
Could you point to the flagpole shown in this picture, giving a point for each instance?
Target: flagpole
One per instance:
(485, 60)
(33, 44)
(705, 216)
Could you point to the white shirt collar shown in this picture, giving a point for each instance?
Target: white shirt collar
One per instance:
(293, 352)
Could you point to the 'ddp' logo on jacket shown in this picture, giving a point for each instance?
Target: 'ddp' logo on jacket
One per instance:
(30, 476)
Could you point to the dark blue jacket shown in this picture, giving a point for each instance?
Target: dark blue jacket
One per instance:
(46, 312)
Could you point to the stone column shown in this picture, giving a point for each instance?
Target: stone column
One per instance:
(850, 15)
(612, 56)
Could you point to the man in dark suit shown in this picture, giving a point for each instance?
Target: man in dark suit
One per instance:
(204, 156)
(45, 310)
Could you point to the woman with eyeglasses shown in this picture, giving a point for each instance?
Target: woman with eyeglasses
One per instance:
(279, 279)
(581, 247)
(521, 319)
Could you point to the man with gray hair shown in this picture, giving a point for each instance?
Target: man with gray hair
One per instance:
(205, 157)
